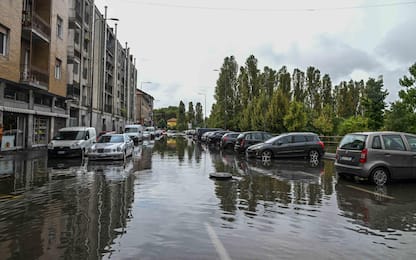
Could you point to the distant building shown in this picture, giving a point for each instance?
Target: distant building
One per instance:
(144, 108)
(171, 122)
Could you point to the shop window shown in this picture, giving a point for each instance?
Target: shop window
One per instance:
(40, 128)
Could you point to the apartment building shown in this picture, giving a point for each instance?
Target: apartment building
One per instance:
(144, 108)
(61, 65)
(33, 56)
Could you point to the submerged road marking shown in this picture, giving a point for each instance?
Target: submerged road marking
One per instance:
(371, 192)
(217, 243)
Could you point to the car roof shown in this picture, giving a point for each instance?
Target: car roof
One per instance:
(379, 132)
(75, 128)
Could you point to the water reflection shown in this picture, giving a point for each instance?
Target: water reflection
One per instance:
(154, 203)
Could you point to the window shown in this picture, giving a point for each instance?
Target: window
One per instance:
(299, 138)
(58, 69)
(59, 27)
(76, 68)
(412, 142)
(4, 37)
(376, 142)
(393, 142)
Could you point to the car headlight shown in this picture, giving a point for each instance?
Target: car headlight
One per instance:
(75, 145)
(118, 149)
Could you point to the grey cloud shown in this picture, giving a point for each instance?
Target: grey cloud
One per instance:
(399, 43)
(329, 55)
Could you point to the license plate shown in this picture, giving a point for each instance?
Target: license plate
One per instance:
(346, 158)
(61, 152)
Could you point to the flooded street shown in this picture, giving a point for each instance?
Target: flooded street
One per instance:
(161, 204)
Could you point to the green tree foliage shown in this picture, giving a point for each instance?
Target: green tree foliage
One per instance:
(353, 124)
(162, 124)
(199, 118)
(276, 112)
(190, 115)
(225, 92)
(181, 118)
(295, 119)
(284, 81)
(298, 81)
(313, 88)
(324, 122)
(373, 103)
(402, 115)
(253, 74)
(165, 113)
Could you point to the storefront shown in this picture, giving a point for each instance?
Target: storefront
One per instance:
(14, 129)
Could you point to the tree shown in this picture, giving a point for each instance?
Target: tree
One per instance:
(190, 115)
(298, 81)
(402, 116)
(181, 118)
(199, 118)
(295, 120)
(353, 124)
(324, 122)
(276, 112)
(373, 103)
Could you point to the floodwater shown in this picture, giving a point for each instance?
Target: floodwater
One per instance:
(161, 204)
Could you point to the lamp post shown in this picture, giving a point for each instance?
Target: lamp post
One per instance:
(141, 97)
(205, 107)
(93, 55)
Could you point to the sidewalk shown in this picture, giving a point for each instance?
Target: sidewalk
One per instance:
(23, 154)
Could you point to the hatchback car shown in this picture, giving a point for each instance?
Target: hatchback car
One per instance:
(247, 139)
(377, 156)
(228, 140)
(112, 146)
(289, 145)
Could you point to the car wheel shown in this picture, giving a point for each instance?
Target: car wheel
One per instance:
(266, 155)
(313, 156)
(380, 176)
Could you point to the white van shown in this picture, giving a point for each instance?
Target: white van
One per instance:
(72, 141)
(135, 132)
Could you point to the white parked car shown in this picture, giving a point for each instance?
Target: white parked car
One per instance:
(112, 146)
(72, 142)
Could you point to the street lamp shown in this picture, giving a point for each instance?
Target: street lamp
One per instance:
(205, 107)
(93, 55)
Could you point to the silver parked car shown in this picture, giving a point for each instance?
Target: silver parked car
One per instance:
(112, 146)
(378, 156)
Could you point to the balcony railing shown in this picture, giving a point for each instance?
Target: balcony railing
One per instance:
(35, 76)
(35, 22)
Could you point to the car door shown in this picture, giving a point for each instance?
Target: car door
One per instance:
(297, 148)
(411, 141)
(281, 146)
(397, 156)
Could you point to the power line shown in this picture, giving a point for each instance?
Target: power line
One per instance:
(271, 10)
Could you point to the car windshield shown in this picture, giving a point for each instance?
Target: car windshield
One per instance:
(70, 135)
(353, 142)
(111, 139)
(271, 140)
(131, 130)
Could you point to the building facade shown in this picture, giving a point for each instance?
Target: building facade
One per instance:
(144, 108)
(61, 65)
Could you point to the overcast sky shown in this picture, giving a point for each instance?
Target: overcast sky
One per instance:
(178, 44)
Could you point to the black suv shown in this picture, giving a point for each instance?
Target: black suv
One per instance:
(247, 139)
(289, 145)
(228, 140)
(200, 131)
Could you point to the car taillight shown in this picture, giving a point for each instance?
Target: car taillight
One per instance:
(224, 139)
(322, 144)
(242, 143)
(363, 156)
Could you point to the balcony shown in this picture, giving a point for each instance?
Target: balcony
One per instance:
(35, 76)
(73, 91)
(35, 23)
(85, 102)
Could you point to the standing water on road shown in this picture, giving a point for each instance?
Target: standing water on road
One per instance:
(161, 204)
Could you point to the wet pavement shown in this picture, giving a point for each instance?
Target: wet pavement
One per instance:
(161, 204)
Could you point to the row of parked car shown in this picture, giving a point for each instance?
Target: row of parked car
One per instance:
(379, 156)
(264, 145)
